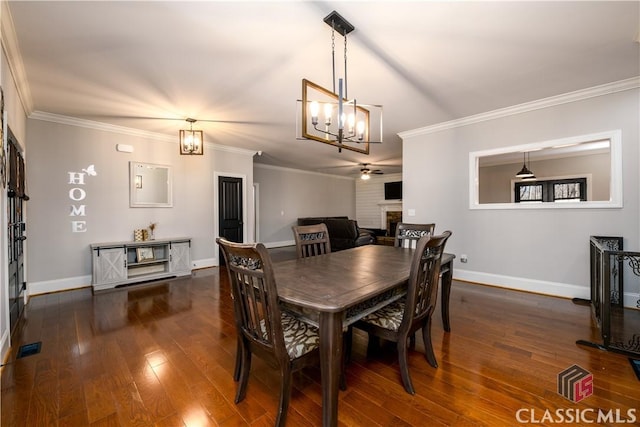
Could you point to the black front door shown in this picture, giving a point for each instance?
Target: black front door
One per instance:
(230, 208)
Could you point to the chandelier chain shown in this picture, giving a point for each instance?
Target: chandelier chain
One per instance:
(345, 67)
(333, 53)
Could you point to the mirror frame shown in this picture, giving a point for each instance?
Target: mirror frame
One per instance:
(615, 184)
(133, 201)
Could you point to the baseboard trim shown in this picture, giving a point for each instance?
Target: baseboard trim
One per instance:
(204, 263)
(5, 345)
(631, 300)
(522, 284)
(57, 285)
(69, 283)
(563, 290)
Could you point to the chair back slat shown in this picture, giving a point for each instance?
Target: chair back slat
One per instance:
(422, 288)
(311, 240)
(407, 235)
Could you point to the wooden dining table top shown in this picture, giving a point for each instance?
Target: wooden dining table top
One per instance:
(336, 281)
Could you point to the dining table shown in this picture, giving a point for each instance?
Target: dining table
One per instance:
(337, 289)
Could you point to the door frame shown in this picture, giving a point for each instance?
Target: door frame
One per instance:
(216, 208)
(256, 212)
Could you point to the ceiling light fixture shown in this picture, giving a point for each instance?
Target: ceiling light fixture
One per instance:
(191, 141)
(365, 172)
(345, 123)
(525, 172)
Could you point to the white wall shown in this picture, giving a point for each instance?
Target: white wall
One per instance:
(288, 194)
(58, 257)
(543, 250)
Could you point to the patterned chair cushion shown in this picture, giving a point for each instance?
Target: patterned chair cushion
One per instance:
(388, 317)
(299, 337)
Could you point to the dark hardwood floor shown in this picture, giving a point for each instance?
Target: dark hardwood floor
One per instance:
(163, 355)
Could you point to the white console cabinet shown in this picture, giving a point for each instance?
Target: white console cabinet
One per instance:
(123, 263)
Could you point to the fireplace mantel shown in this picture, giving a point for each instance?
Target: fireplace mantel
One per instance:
(391, 202)
(388, 206)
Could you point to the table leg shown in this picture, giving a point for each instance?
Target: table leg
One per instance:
(446, 292)
(330, 364)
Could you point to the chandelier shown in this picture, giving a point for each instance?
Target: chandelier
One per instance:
(191, 141)
(344, 123)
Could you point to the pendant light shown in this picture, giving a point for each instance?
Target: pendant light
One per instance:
(525, 172)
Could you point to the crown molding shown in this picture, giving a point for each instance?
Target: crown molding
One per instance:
(579, 95)
(122, 130)
(90, 124)
(11, 50)
(284, 169)
(234, 150)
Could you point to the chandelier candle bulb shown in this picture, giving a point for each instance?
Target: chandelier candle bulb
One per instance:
(352, 123)
(360, 129)
(315, 109)
(328, 112)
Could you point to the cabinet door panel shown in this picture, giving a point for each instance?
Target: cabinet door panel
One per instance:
(110, 265)
(180, 257)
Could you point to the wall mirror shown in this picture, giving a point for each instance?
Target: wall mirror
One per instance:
(149, 185)
(578, 172)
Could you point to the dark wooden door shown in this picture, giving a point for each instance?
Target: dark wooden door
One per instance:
(230, 208)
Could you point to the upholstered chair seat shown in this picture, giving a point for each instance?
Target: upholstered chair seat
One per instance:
(388, 317)
(300, 338)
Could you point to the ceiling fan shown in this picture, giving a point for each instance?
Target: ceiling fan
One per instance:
(366, 172)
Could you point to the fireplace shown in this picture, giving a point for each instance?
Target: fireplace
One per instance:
(393, 218)
(390, 215)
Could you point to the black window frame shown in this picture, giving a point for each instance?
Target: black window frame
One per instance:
(548, 193)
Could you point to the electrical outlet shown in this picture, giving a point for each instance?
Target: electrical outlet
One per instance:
(463, 258)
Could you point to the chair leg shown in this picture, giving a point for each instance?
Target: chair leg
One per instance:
(428, 346)
(346, 357)
(245, 368)
(373, 344)
(348, 343)
(285, 396)
(238, 367)
(412, 341)
(404, 366)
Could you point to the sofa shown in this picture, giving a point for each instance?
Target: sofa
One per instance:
(344, 233)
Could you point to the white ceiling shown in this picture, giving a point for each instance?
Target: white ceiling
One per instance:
(241, 63)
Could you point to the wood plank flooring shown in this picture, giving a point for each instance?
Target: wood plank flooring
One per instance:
(163, 355)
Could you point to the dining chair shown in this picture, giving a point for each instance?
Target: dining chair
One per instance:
(311, 240)
(408, 234)
(279, 338)
(399, 320)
